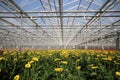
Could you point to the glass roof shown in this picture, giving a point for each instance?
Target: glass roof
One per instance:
(59, 23)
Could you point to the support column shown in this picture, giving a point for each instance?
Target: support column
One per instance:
(118, 41)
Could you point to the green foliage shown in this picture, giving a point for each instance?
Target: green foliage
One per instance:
(92, 65)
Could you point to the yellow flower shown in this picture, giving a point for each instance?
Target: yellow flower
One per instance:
(96, 59)
(116, 62)
(88, 58)
(64, 62)
(0, 70)
(12, 54)
(98, 55)
(78, 67)
(15, 59)
(65, 53)
(94, 67)
(2, 58)
(35, 58)
(117, 73)
(118, 56)
(17, 77)
(5, 52)
(91, 65)
(29, 53)
(30, 62)
(28, 65)
(58, 69)
(105, 52)
(57, 59)
(107, 59)
(78, 60)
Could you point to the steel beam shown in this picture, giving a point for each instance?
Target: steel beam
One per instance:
(16, 26)
(106, 36)
(61, 20)
(92, 19)
(66, 26)
(49, 12)
(56, 16)
(26, 15)
(118, 41)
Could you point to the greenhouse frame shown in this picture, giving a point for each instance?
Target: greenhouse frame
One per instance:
(60, 24)
(59, 39)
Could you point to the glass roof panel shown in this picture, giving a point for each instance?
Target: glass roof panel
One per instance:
(60, 21)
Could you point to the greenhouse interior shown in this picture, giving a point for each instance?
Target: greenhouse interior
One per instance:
(60, 24)
(60, 39)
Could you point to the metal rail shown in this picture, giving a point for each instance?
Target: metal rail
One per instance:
(77, 11)
(55, 16)
(26, 15)
(66, 26)
(61, 20)
(93, 18)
